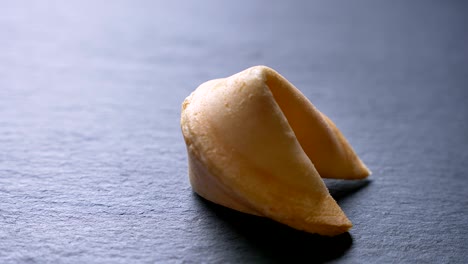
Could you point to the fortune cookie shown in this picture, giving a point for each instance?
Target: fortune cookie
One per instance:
(256, 144)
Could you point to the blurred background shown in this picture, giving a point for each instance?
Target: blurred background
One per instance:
(93, 165)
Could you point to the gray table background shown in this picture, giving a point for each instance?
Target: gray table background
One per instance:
(93, 166)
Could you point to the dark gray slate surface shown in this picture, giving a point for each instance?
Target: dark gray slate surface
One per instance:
(92, 162)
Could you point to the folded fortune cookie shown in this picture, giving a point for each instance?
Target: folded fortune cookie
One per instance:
(256, 144)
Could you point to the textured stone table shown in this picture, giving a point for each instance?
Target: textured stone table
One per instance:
(93, 165)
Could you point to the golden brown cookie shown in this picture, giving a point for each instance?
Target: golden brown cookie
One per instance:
(256, 144)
